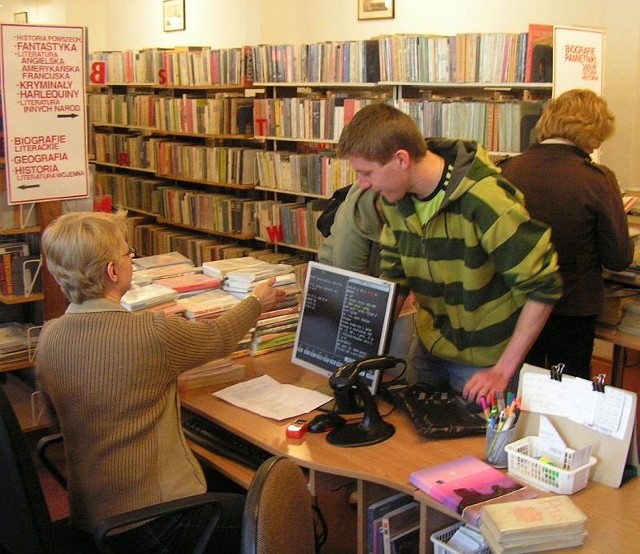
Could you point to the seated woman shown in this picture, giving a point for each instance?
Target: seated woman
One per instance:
(111, 378)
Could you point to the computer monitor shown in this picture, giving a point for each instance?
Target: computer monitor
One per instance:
(345, 316)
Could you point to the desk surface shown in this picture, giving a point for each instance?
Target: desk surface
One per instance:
(389, 463)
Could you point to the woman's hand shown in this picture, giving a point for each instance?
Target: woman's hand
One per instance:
(268, 295)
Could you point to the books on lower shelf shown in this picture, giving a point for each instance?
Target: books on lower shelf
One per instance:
(376, 512)
(401, 527)
(466, 485)
(533, 525)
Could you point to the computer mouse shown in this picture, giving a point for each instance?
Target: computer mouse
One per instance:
(326, 422)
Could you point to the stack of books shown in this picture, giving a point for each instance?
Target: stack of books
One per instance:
(274, 331)
(240, 283)
(148, 296)
(190, 283)
(220, 268)
(207, 304)
(534, 525)
(147, 276)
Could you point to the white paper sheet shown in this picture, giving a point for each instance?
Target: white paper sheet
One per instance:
(267, 397)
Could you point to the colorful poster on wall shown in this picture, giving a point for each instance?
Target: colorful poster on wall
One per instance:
(578, 59)
(43, 92)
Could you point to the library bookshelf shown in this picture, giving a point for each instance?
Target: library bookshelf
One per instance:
(263, 185)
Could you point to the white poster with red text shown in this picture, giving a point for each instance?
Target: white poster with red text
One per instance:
(44, 112)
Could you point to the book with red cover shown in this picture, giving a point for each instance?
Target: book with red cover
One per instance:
(539, 62)
(468, 482)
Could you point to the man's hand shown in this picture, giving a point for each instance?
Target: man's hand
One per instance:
(483, 382)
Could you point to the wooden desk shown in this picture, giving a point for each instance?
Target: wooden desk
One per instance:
(384, 468)
(621, 343)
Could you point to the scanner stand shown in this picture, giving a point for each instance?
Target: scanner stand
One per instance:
(371, 430)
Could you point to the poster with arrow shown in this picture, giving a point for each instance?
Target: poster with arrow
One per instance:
(44, 112)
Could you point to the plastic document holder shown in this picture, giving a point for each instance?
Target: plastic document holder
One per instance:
(614, 449)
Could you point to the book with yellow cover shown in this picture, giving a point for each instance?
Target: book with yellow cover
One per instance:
(536, 518)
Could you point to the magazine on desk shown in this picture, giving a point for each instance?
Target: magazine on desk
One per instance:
(467, 484)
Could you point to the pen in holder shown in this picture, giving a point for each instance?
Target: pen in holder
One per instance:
(495, 454)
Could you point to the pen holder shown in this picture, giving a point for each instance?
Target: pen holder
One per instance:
(495, 454)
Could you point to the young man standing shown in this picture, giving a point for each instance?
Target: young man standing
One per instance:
(484, 274)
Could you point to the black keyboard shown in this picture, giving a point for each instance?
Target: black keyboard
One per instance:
(223, 442)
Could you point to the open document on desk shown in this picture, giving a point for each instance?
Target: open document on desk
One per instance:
(267, 397)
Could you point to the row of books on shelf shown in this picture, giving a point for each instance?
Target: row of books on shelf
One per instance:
(172, 283)
(19, 269)
(188, 66)
(159, 154)
(504, 125)
(292, 223)
(309, 117)
(136, 191)
(272, 221)
(319, 172)
(463, 57)
(216, 164)
(154, 238)
(213, 114)
(128, 149)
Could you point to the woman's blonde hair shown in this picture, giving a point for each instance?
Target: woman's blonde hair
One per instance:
(78, 247)
(578, 115)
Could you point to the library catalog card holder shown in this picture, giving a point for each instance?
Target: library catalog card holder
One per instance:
(589, 413)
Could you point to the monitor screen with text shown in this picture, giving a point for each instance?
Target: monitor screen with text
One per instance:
(345, 316)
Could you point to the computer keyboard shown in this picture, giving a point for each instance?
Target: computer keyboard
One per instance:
(220, 441)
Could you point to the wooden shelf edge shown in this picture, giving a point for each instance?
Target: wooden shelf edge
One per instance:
(13, 299)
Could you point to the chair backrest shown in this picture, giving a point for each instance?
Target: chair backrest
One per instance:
(25, 525)
(278, 512)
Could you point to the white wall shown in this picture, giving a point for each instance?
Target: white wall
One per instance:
(134, 24)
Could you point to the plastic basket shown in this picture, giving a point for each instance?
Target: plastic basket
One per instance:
(524, 465)
(442, 537)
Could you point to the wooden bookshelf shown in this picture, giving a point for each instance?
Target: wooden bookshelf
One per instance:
(477, 84)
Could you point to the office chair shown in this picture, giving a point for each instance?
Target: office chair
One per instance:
(278, 512)
(25, 523)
